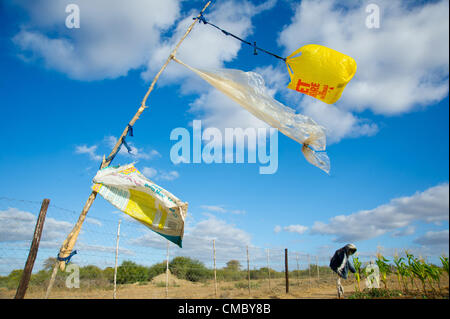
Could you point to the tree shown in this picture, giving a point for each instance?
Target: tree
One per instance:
(189, 269)
(130, 272)
(234, 265)
(49, 263)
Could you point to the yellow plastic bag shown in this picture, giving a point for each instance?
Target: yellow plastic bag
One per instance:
(137, 196)
(320, 72)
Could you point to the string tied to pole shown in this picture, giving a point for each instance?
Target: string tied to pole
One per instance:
(67, 259)
(201, 18)
(124, 143)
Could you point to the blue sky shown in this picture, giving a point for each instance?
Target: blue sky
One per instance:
(65, 93)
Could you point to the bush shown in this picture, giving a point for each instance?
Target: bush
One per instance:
(156, 269)
(108, 273)
(230, 274)
(130, 272)
(189, 269)
(40, 278)
(90, 272)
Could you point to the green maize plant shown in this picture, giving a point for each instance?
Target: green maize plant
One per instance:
(358, 268)
(419, 270)
(409, 268)
(444, 261)
(402, 272)
(434, 275)
(385, 268)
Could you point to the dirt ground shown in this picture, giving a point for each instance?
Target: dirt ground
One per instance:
(182, 289)
(325, 288)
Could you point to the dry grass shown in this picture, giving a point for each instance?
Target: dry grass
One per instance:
(182, 289)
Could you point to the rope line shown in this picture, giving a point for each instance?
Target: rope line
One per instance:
(201, 18)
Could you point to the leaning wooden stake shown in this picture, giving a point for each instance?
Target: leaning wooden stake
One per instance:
(71, 239)
(115, 264)
(26, 275)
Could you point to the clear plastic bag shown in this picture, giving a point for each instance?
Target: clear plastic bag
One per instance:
(249, 91)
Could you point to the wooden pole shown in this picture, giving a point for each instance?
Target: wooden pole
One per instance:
(167, 271)
(318, 275)
(309, 271)
(215, 275)
(71, 239)
(298, 271)
(286, 269)
(115, 266)
(268, 265)
(26, 275)
(248, 272)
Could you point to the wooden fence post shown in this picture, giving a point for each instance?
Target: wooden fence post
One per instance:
(26, 275)
(215, 274)
(248, 272)
(268, 266)
(117, 254)
(318, 275)
(286, 269)
(309, 271)
(167, 271)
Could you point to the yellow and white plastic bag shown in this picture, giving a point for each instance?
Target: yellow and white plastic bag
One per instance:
(134, 194)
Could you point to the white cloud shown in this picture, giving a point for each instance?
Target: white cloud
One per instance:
(112, 39)
(230, 240)
(433, 238)
(160, 175)
(214, 208)
(221, 209)
(136, 153)
(84, 149)
(407, 231)
(430, 206)
(402, 64)
(299, 229)
(93, 221)
(207, 47)
(149, 172)
(18, 225)
(110, 142)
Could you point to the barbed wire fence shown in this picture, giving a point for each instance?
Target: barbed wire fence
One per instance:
(136, 263)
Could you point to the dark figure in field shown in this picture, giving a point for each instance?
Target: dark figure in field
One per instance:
(340, 264)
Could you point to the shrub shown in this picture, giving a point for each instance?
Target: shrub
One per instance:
(90, 272)
(156, 270)
(130, 272)
(189, 269)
